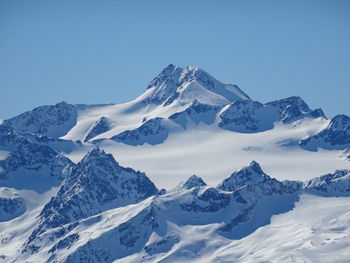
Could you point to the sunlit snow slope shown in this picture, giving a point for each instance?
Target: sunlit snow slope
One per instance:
(209, 128)
(193, 170)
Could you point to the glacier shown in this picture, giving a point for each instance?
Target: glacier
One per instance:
(193, 170)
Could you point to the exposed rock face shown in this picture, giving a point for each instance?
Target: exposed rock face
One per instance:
(186, 85)
(335, 136)
(249, 175)
(95, 184)
(333, 184)
(192, 181)
(30, 164)
(11, 205)
(53, 121)
(294, 108)
(95, 210)
(196, 113)
(100, 126)
(151, 132)
(252, 116)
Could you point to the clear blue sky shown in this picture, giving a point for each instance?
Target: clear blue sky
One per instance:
(108, 51)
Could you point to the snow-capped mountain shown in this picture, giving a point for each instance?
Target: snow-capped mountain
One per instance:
(249, 175)
(29, 164)
(335, 136)
(53, 121)
(334, 184)
(97, 183)
(65, 198)
(151, 131)
(192, 181)
(253, 116)
(196, 113)
(160, 227)
(178, 85)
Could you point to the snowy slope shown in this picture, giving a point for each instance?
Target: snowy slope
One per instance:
(214, 153)
(199, 223)
(175, 129)
(294, 236)
(270, 181)
(168, 131)
(173, 90)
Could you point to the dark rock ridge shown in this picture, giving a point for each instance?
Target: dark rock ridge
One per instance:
(197, 112)
(333, 184)
(30, 164)
(168, 85)
(252, 116)
(9, 139)
(11, 205)
(248, 175)
(246, 116)
(335, 136)
(163, 245)
(128, 237)
(59, 145)
(53, 121)
(103, 211)
(152, 132)
(199, 205)
(97, 183)
(32, 156)
(234, 205)
(192, 181)
(294, 108)
(100, 126)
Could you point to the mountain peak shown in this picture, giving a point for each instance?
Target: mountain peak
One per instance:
(294, 108)
(166, 76)
(184, 85)
(335, 136)
(340, 122)
(97, 154)
(255, 166)
(96, 184)
(332, 184)
(248, 175)
(49, 120)
(192, 181)
(63, 103)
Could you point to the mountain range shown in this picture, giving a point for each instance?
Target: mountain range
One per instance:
(193, 170)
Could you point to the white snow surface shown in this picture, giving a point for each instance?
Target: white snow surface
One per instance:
(316, 229)
(4, 155)
(295, 236)
(203, 148)
(13, 233)
(214, 153)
